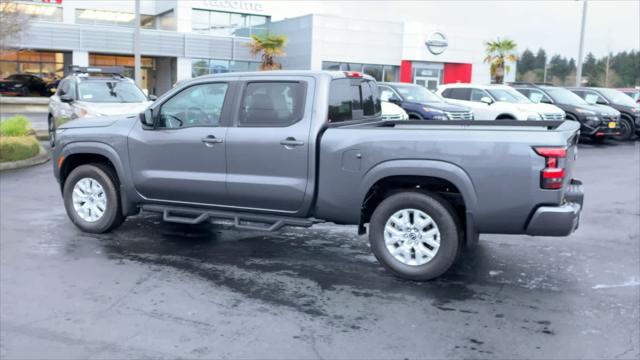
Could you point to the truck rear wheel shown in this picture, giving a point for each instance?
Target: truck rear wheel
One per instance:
(91, 198)
(415, 235)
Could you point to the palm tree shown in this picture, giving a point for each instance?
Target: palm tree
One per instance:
(268, 46)
(499, 54)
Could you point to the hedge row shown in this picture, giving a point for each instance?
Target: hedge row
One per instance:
(14, 148)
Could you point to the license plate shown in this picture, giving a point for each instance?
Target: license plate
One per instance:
(612, 125)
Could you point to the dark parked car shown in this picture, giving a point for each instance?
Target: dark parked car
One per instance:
(596, 121)
(629, 109)
(293, 148)
(422, 104)
(23, 85)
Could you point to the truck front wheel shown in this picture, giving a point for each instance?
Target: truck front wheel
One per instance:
(415, 235)
(91, 198)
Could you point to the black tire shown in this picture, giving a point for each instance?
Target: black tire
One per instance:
(52, 131)
(415, 116)
(442, 214)
(104, 175)
(626, 129)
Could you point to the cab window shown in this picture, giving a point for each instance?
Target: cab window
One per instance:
(353, 99)
(198, 105)
(272, 104)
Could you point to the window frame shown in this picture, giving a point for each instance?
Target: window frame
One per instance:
(224, 112)
(243, 91)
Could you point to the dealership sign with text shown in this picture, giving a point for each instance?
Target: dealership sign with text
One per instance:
(236, 5)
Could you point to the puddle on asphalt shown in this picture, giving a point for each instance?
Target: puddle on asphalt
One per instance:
(305, 269)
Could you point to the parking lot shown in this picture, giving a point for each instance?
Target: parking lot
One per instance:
(154, 289)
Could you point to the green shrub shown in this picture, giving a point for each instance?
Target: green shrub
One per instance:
(15, 126)
(14, 148)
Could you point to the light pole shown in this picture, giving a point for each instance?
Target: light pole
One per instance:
(136, 48)
(579, 64)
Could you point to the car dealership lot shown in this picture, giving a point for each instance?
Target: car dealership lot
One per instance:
(153, 289)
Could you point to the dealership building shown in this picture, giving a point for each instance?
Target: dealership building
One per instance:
(181, 39)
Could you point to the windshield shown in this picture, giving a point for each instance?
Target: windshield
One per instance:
(418, 94)
(510, 96)
(564, 96)
(635, 95)
(617, 97)
(110, 92)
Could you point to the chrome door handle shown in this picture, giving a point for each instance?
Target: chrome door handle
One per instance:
(211, 140)
(291, 142)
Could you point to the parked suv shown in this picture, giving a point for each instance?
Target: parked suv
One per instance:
(422, 104)
(596, 122)
(498, 102)
(294, 148)
(93, 92)
(629, 109)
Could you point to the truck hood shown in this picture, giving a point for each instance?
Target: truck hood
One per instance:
(537, 108)
(606, 110)
(89, 122)
(114, 108)
(443, 106)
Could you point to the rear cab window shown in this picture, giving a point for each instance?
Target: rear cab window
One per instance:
(353, 99)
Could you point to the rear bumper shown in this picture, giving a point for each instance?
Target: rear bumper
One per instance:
(559, 220)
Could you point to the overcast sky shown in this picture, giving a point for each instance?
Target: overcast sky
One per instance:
(612, 25)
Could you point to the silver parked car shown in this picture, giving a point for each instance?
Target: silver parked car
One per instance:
(93, 92)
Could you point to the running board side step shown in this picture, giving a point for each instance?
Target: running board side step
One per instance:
(240, 220)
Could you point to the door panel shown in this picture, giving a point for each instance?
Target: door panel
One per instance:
(268, 151)
(184, 158)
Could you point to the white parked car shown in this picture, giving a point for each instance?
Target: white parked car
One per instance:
(392, 111)
(92, 92)
(498, 102)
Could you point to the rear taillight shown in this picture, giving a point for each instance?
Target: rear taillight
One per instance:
(552, 176)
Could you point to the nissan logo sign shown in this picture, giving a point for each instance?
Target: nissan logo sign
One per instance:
(436, 43)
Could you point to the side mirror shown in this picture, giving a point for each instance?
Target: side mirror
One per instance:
(395, 100)
(601, 102)
(545, 101)
(487, 100)
(146, 118)
(153, 97)
(66, 98)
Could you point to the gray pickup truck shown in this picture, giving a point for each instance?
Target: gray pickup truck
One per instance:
(294, 148)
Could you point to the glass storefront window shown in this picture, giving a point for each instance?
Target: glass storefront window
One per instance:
(167, 21)
(378, 72)
(201, 67)
(374, 71)
(227, 24)
(45, 64)
(117, 18)
(391, 73)
(38, 12)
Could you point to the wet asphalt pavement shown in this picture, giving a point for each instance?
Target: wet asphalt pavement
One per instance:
(154, 289)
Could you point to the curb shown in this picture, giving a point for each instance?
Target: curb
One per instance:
(42, 135)
(41, 158)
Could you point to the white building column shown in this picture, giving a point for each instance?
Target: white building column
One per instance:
(80, 58)
(183, 68)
